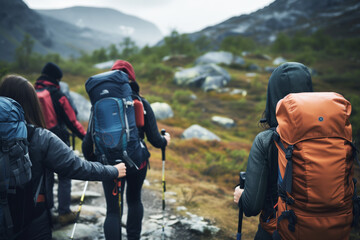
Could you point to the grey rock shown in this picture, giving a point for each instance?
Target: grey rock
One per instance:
(251, 74)
(238, 91)
(279, 60)
(162, 110)
(83, 231)
(214, 83)
(198, 224)
(181, 208)
(254, 67)
(196, 131)
(223, 121)
(220, 57)
(79, 103)
(105, 65)
(238, 61)
(215, 57)
(83, 106)
(269, 69)
(196, 76)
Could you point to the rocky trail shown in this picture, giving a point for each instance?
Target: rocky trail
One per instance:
(179, 223)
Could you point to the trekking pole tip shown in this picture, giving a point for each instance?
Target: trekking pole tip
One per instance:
(163, 131)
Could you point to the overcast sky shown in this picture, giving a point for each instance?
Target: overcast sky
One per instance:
(185, 16)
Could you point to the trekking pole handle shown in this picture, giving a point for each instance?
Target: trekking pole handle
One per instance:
(163, 132)
(242, 179)
(242, 176)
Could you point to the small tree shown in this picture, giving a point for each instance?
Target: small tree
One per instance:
(23, 53)
(179, 44)
(237, 44)
(128, 48)
(99, 55)
(282, 44)
(113, 52)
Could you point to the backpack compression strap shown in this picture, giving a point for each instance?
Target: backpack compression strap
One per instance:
(285, 184)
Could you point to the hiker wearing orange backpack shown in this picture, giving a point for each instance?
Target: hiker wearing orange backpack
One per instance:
(260, 192)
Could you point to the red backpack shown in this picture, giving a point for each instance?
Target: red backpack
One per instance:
(47, 107)
(315, 158)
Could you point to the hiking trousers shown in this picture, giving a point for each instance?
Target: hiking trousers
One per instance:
(39, 229)
(261, 234)
(135, 213)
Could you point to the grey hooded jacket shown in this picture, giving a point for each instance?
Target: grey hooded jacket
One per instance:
(260, 192)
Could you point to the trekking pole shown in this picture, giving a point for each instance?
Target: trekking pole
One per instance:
(79, 210)
(242, 185)
(119, 185)
(163, 187)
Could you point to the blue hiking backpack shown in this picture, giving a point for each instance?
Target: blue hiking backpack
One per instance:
(112, 122)
(15, 165)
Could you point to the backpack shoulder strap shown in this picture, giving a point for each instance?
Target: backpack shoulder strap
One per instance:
(31, 130)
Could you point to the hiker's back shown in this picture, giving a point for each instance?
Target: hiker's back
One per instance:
(15, 170)
(315, 166)
(113, 123)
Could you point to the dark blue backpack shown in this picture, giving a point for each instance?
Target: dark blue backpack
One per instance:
(112, 121)
(15, 165)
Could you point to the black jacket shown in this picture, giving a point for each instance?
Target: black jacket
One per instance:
(49, 153)
(150, 128)
(261, 173)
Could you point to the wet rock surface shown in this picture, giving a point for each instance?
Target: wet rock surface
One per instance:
(177, 221)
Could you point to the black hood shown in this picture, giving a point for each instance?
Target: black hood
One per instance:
(288, 78)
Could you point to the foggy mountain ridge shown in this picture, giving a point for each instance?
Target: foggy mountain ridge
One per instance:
(52, 34)
(109, 21)
(338, 18)
(71, 31)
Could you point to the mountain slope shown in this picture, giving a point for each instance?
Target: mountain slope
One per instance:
(108, 21)
(16, 19)
(339, 18)
(55, 34)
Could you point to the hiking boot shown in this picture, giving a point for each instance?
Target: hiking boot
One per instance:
(66, 218)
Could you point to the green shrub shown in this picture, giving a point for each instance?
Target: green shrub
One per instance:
(155, 72)
(182, 96)
(153, 98)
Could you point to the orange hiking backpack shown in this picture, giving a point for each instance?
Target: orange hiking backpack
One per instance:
(315, 158)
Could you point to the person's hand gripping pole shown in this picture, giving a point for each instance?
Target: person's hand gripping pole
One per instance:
(242, 185)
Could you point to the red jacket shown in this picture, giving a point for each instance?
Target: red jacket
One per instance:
(60, 114)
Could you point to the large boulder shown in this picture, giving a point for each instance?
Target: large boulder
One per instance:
(82, 105)
(162, 110)
(219, 57)
(196, 131)
(196, 76)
